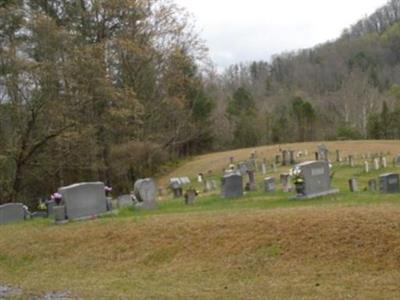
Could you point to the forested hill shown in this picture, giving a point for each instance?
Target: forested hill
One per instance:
(347, 88)
(113, 90)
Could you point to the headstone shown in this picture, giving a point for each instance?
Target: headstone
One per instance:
(366, 167)
(275, 168)
(214, 185)
(243, 167)
(323, 152)
(176, 186)
(376, 164)
(190, 196)
(351, 161)
(207, 186)
(252, 180)
(397, 161)
(285, 158)
(84, 200)
(125, 201)
(389, 183)
(338, 157)
(277, 159)
(145, 191)
(384, 162)
(372, 185)
(316, 156)
(353, 185)
(264, 168)
(60, 215)
(12, 212)
(292, 158)
(269, 185)
(232, 185)
(285, 181)
(50, 205)
(200, 177)
(316, 178)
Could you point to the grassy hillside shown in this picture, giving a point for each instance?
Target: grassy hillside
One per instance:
(261, 246)
(217, 161)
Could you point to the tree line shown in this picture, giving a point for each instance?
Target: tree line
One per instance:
(121, 89)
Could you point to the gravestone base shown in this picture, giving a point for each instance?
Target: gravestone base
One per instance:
(317, 195)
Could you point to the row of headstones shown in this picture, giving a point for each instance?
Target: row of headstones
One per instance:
(388, 183)
(312, 180)
(378, 160)
(82, 201)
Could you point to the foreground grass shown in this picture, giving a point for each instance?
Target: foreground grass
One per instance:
(257, 247)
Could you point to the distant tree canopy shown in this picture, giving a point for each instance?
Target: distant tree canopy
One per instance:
(96, 90)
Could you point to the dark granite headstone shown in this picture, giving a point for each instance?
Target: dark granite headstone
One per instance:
(232, 185)
(292, 157)
(389, 183)
(285, 158)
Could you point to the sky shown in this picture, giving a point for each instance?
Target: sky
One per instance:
(241, 31)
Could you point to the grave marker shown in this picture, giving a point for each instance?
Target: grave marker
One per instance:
(12, 212)
(285, 181)
(145, 191)
(232, 185)
(372, 185)
(84, 200)
(389, 183)
(366, 167)
(269, 185)
(316, 178)
(125, 201)
(353, 185)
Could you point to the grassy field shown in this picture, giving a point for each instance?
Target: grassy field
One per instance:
(261, 246)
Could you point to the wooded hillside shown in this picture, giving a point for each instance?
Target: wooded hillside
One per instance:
(114, 90)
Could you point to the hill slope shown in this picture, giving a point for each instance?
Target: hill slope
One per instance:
(310, 253)
(216, 162)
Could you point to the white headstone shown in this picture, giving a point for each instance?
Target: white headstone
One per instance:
(384, 162)
(376, 164)
(366, 167)
(264, 168)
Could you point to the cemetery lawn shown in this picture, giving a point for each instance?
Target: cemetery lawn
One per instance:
(262, 246)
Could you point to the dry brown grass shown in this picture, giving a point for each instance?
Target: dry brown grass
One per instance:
(217, 161)
(301, 253)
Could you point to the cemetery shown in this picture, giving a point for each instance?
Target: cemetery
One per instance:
(243, 189)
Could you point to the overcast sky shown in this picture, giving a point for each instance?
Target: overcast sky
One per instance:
(246, 30)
